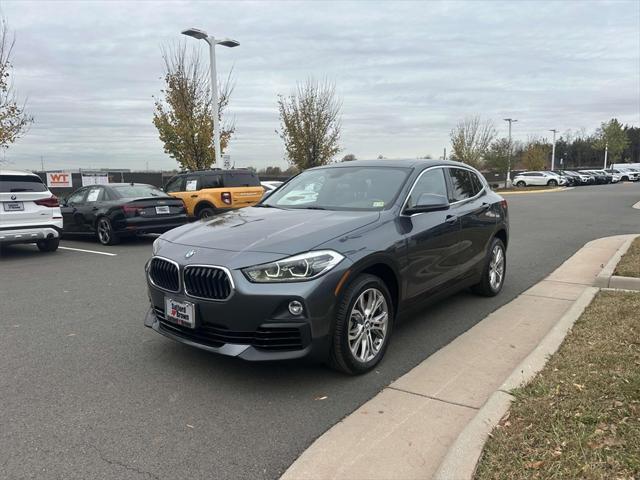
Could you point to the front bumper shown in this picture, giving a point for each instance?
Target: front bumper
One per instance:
(254, 323)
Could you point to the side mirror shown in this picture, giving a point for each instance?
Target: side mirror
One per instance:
(63, 202)
(428, 202)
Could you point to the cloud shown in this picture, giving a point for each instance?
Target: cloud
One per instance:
(406, 71)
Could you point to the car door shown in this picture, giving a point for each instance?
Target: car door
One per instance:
(93, 206)
(433, 239)
(71, 216)
(470, 201)
(186, 189)
(175, 188)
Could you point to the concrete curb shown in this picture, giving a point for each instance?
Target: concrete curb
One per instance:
(463, 455)
(528, 192)
(462, 458)
(606, 278)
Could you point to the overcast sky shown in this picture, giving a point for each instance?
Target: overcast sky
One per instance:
(406, 72)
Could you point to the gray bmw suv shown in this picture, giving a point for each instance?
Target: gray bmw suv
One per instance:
(323, 266)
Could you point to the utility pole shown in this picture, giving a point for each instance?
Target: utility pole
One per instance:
(553, 150)
(42, 162)
(445, 153)
(606, 151)
(508, 179)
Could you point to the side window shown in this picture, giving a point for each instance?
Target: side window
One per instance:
(175, 185)
(191, 184)
(477, 182)
(78, 196)
(431, 181)
(95, 194)
(462, 184)
(210, 181)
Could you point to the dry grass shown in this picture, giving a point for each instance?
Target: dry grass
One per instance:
(580, 417)
(629, 265)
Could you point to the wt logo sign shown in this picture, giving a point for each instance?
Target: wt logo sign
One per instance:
(59, 179)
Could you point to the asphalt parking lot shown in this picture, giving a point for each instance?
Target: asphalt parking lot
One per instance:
(86, 391)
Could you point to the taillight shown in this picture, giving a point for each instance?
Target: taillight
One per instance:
(226, 197)
(131, 210)
(51, 202)
(504, 204)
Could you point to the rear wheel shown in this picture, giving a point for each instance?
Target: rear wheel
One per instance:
(49, 245)
(105, 233)
(494, 270)
(364, 323)
(552, 183)
(521, 184)
(206, 212)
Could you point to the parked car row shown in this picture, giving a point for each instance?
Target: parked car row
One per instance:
(576, 177)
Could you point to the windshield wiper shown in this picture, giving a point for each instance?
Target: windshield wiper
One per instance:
(312, 207)
(264, 205)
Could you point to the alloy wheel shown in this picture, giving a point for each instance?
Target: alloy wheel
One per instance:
(496, 267)
(368, 322)
(104, 231)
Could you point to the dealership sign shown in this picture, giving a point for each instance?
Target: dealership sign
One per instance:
(59, 179)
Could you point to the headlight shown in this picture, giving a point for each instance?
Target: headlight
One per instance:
(298, 268)
(157, 244)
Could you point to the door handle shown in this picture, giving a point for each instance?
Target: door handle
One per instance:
(485, 206)
(451, 219)
(194, 196)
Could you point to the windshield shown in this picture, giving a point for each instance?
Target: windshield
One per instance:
(341, 188)
(137, 191)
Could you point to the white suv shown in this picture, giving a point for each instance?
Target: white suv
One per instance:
(525, 179)
(29, 212)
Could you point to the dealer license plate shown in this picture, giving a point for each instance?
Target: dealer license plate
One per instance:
(181, 313)
(13, 206)
(162, 210)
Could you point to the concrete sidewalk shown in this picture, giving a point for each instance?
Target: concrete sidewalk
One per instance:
(407, 429)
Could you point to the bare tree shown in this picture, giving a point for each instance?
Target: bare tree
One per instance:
(183, 116)
(470, 140)
(310, 124)
(14, 122)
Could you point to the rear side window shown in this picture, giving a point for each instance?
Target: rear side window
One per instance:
(21, 183)
(463, 184)
(175, 185)
(210, 181)
(241, 179)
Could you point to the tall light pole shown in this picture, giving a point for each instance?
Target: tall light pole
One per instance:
(553, 150)
(606, 151)
(212, 41)
(508, 180)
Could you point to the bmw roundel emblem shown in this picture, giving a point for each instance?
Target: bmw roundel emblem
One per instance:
(190, 253)
(13, 197)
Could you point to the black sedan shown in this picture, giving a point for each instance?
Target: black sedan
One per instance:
(120, 209)
(323, 266)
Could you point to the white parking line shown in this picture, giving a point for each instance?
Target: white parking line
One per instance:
(89, 251)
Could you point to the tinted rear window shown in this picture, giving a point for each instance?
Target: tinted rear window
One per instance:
(21, 183)
(241, 179)
(137, 191)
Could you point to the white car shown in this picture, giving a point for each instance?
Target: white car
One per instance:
(29, 212)
(526, 179)
(625, 174)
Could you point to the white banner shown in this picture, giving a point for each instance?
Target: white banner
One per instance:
(95, 179)
(59, 180)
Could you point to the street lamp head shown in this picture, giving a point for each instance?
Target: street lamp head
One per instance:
(227, 42)
(195, 33)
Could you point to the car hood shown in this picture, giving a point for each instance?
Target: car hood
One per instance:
(270, 230)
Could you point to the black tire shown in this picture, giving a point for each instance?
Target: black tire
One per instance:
(485, 286)
(49, 245)
(625, 179)
(521, 184)
(105, 233)
(206, 212)
(552, 183)
(341, 357)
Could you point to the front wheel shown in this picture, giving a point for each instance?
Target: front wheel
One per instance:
(521, 184)
(105, 233)
(49, 245)
(364, 323)
(552, 183)
(206, 212)
(494, 270)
